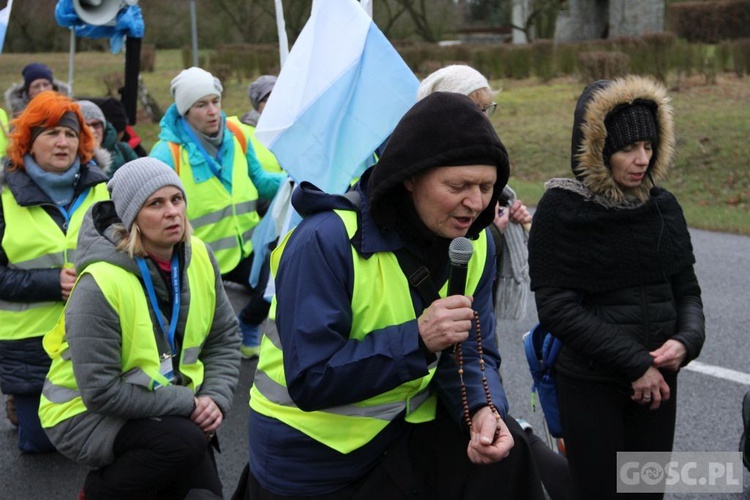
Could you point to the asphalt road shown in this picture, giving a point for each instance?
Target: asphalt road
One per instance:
(708, 417)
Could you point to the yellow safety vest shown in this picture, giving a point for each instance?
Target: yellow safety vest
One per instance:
(223, 220)
(141, 358)
(265, 157)
(381, 298)
(4, 130)
(33, 240)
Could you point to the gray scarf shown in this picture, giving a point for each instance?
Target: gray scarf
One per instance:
(60, 188)
(210, 143)
(513, 282)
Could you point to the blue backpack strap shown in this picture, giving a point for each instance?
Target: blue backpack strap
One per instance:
(550, 349)
(532, 343)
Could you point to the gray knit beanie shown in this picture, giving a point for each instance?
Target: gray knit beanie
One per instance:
(259, 89)
(91, 112)
(135, 181)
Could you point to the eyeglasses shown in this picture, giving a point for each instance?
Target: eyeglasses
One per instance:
(98, 125)
(489, 110)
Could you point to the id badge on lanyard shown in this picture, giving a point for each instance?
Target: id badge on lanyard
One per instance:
(166, 368)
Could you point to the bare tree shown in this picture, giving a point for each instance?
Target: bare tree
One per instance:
(248, 17)
(296, 14)
(387, 13)
(431, 18)
(32, 28)
(539, 18)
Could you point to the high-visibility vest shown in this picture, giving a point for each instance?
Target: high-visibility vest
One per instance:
(380, 298)
(33, 240)
(141, 357)
(264, 155)
(4, 130)
(223, 220)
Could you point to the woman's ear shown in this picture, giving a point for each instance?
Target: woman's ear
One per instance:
(409, 184)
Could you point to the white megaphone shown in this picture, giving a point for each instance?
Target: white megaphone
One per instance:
(100, 12)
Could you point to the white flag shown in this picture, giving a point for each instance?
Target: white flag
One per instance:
(4, 18)
(339, 95)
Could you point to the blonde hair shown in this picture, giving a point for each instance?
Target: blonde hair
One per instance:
(132, 241)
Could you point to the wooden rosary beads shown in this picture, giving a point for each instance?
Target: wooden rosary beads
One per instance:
(459, 358)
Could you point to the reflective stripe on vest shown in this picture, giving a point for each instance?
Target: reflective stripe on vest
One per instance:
(141, 356)
(265, 157)
(33, 240)
(223, 220)
(381, 298)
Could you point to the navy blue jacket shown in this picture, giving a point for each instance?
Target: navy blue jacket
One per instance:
(324, 368)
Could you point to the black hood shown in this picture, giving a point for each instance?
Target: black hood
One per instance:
(596, 103)
(443, 129)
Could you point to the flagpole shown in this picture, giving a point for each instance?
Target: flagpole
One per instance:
(367, 5)
(71, 58)
(194, 30)
(281, 27)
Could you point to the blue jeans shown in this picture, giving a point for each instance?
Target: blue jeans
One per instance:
(31, 436)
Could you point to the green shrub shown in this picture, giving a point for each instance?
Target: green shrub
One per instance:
(657, 51)
(709, 65)
(542, 59)
(723, 54)
(518, 62)
(709, 22)
(148, 58)
(683, 57)
(566, 58)
(741, 56)
(597, 65)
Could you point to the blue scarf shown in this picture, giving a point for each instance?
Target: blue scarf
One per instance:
(59, 187)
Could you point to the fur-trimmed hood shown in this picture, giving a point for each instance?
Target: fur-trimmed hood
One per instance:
(16, 98)
(103, 160)
(596, 102)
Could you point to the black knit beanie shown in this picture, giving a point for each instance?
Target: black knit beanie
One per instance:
(114, 111)
(443, 129)
(628, 124)
(35, 71)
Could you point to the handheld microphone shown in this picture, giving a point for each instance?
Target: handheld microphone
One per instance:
(459, 252)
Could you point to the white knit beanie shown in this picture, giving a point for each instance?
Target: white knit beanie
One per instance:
(193, 84)
(457, 78)
(135, 181)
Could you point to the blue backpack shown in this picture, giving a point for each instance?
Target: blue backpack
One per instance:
(542, 349)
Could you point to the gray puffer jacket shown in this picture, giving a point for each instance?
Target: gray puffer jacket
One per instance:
(16, 98)
(92, 330)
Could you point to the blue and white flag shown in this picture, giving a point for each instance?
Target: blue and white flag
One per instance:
(4, 18)
(339, 95)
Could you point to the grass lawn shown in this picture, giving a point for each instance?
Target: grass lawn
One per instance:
(711, 176)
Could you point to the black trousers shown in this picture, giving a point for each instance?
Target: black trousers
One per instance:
(553, 469)
(429, 462)
(257, 307)
(598, 420)
(156, 458)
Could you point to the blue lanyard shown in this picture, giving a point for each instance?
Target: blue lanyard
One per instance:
(211, 162)
(76, 203)
(175, 278)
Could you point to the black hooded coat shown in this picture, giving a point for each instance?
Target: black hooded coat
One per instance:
(612, 268)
